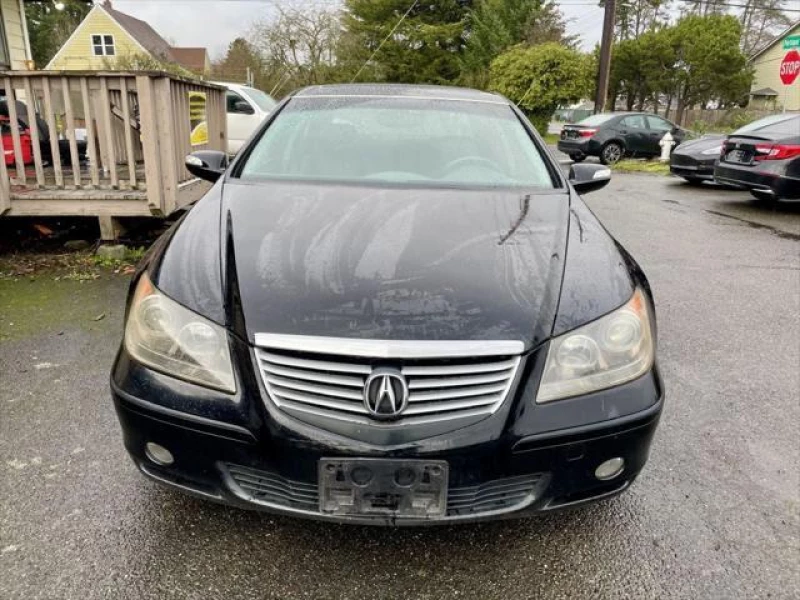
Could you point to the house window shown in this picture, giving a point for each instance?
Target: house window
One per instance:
(103, 45)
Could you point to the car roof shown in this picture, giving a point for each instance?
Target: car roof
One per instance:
(399, 90)
(230, 85)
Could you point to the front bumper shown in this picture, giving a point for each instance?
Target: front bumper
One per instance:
(510, 476)
(690, 168)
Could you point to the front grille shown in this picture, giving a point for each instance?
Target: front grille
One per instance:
(271, 488)
(682, 160)
(266, 487)
(439, 389)
(500, 494)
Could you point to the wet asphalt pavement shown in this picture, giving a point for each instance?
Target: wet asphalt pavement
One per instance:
(715, 513)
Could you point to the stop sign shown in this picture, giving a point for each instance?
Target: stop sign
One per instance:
(790, 67)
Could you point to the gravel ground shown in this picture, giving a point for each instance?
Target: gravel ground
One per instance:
(714, 515)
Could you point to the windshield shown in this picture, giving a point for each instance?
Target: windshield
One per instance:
(765, 123)
(596, 119)
(264, 101)
(427, 142)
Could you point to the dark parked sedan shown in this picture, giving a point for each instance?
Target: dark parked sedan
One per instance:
(612, 136)
(764, 157)
(694, 160)
(391, 308)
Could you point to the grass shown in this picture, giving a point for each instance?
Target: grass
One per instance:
(132, 256)
(65, 266)
(630, 165)
(551, 139)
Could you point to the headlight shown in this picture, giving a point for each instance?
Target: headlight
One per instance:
(164, 335)
(609, 351)
(714, 150)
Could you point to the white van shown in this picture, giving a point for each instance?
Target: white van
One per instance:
(246, 107)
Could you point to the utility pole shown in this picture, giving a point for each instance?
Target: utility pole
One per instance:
(605, 55)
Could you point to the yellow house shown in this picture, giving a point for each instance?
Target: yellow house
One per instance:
(106, 35)
(15, 48)
(768, 91)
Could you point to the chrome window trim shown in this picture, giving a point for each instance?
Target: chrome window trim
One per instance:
(408, 349)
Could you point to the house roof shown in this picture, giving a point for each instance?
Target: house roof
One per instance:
(767, 91)
(776, 40)
(141, 32)
(193, 59)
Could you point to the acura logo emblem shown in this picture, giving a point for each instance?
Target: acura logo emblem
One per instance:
(385, 394)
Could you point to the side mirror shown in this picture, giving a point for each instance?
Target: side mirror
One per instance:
(243, 108)
(207, 164)
(588, 178)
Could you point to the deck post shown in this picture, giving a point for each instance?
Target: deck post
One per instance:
(163, 114)
(110, 228)
(150, 144)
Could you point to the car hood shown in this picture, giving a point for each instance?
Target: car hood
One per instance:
(387, 263)
(697, 146)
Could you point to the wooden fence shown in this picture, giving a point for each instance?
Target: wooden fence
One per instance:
(109, 144)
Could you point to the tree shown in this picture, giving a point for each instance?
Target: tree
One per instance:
(49, 28)
(496, 25)
(403, 42)
(299, 48)
(541, 78)
(642, 68)
(708, 61)
(761, 21)
(635, 17)
(240, 59)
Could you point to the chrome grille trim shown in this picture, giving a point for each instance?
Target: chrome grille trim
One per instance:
(388, 348)
(313, 381)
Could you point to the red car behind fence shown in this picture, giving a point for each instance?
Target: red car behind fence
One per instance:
(8, 144)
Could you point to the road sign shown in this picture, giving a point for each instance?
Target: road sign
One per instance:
(790, 67)
(793, 41)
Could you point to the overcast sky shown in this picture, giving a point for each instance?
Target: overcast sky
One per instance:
(215, 23)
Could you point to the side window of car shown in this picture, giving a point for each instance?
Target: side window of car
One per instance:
(231, 98)
(633, 122)
(659, 124)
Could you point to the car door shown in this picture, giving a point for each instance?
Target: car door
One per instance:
(633, 130)
(658, 129)
(241, 122)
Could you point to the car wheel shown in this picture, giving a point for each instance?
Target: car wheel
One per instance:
(612, 153)
(577, 157)
(693, 181)
(763, 196)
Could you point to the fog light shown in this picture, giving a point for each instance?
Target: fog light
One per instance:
(158, 454)
(610, 469)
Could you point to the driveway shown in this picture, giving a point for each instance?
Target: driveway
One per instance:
(714, 515)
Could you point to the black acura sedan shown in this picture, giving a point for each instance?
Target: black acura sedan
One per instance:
(391, 308)
(612, 136)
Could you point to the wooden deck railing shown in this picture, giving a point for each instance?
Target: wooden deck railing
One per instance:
(104, 143)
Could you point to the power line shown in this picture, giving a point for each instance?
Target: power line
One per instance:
(732, 5)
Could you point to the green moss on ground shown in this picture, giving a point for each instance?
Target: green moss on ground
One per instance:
(630, 165)
(53, 292)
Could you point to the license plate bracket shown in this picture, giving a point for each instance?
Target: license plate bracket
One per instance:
(374, 487)
(738, 156)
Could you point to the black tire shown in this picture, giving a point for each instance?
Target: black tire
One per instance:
(612, 153)
(577, 157)
(693, 181)
(764, 196)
